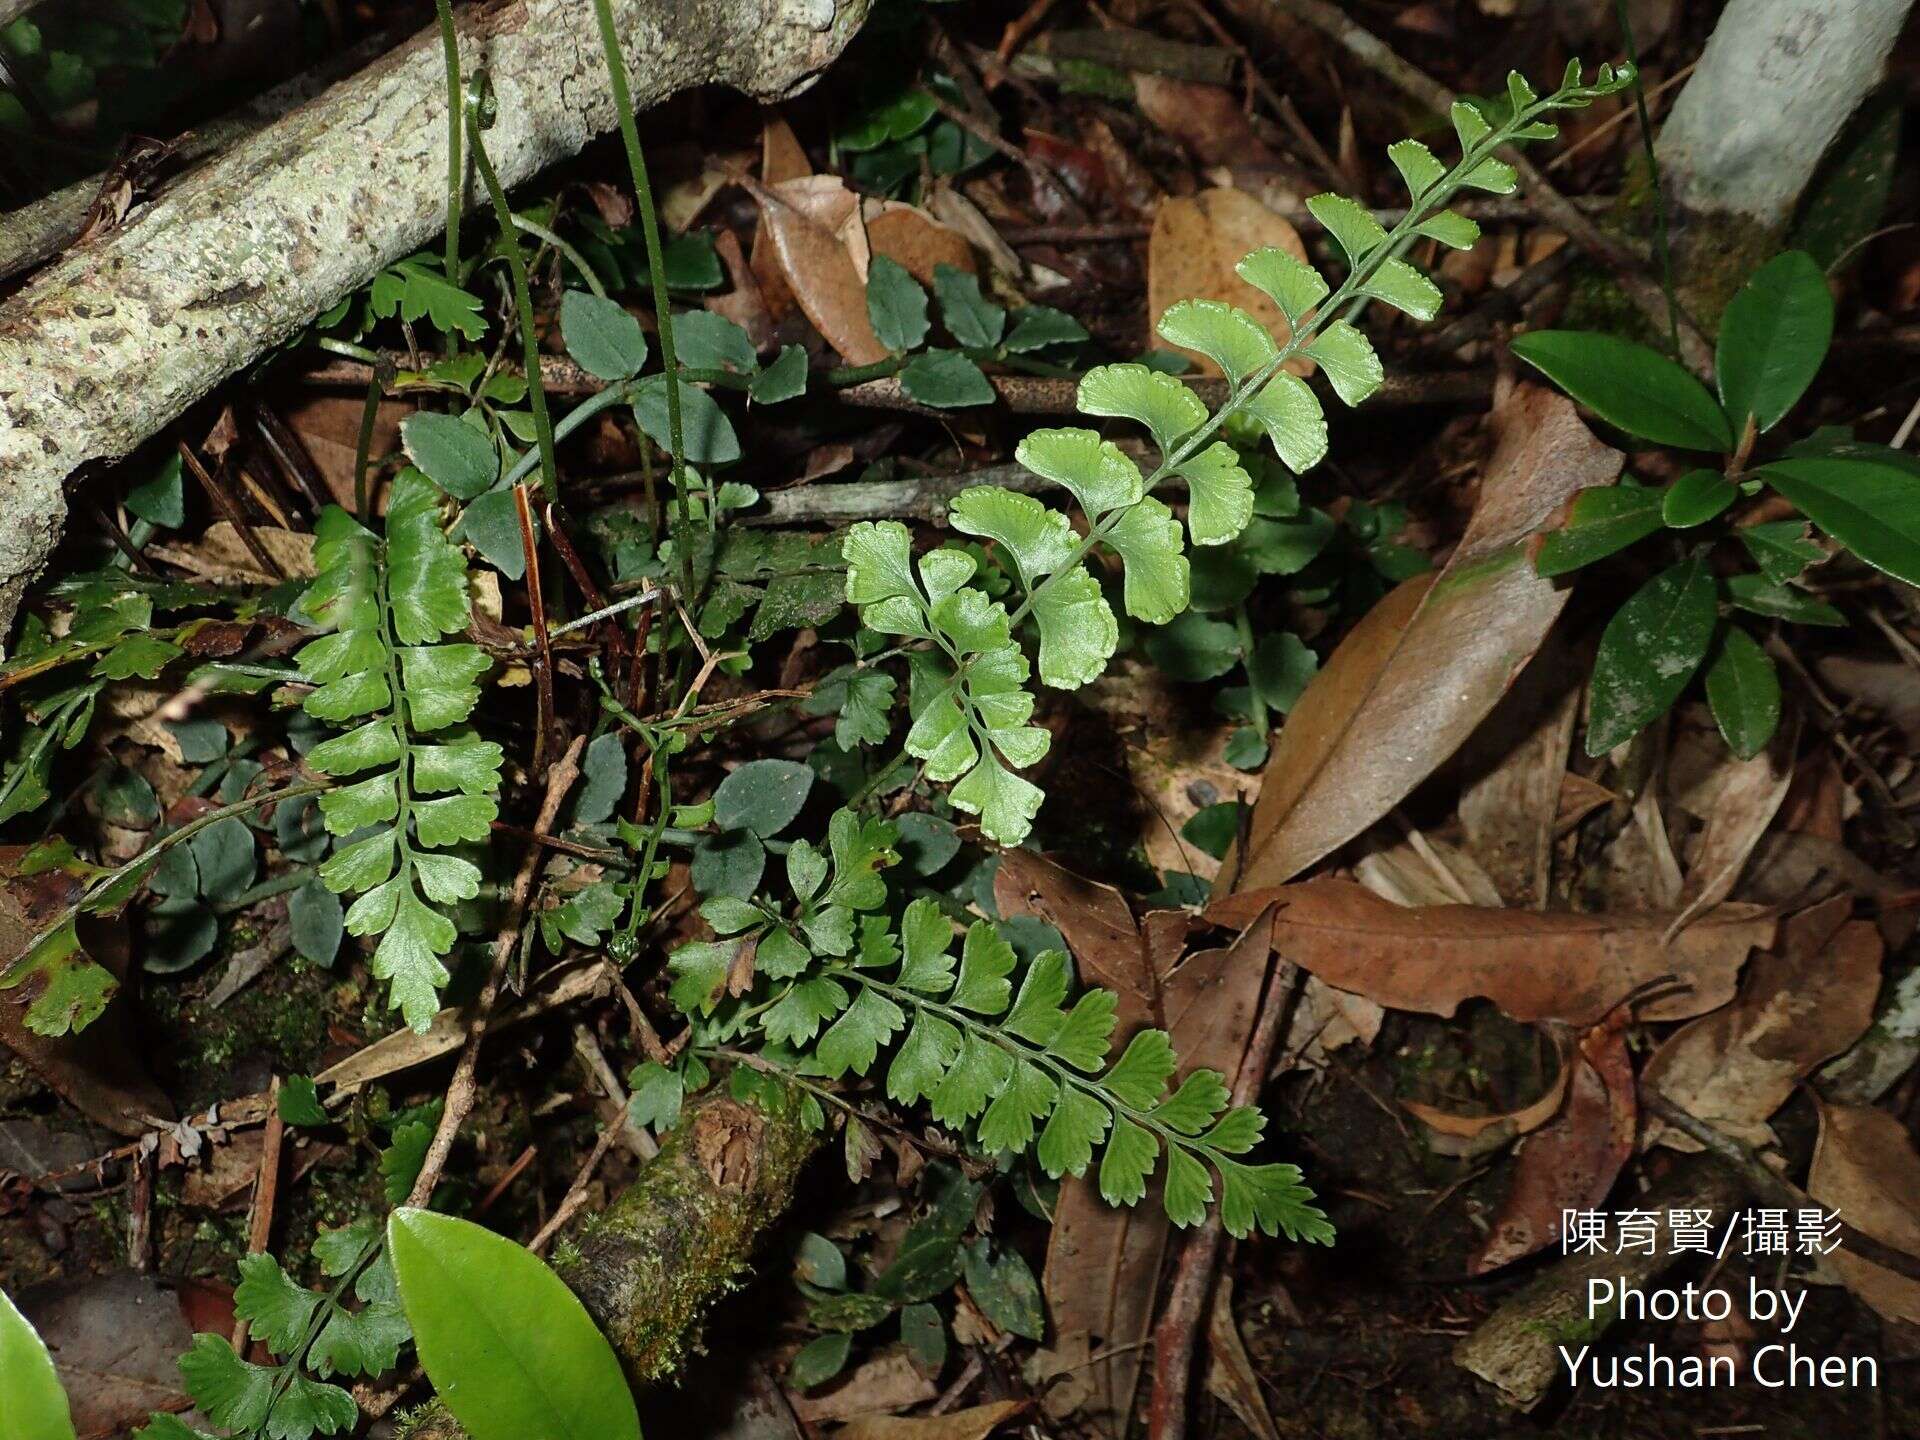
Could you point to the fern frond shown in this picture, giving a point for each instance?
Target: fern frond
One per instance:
(389, 601)
(974, 649)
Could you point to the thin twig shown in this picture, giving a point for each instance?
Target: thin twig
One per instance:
(1768, 1186)
(576, 1195)
(462, 1092)
(266, 1191)
(1187, 1299)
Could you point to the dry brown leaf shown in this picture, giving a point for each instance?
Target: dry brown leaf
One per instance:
(973, 1424)
(1207, 119)
(961, 215)
(1572, 1163)
(329, 427)
(913, 239)
(221, 557)
(1865, 1168)
(1103, 1261)
(1798, 1009)
(1094, 919)
(1511, 806)
(820, 245)
(1749, 799)
(1420, 870)
(1178, 766)
(115, 1339)
(1431, 660)
(1231, 1375)
(781, 158)
(1533, 966)
(879, 1386)
(1196, 242)
(1324, 1019)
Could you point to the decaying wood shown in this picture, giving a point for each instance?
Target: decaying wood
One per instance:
(114, 340)
(648, 1266)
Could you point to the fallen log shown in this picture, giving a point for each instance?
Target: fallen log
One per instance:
(118, 337)
(648, 1266)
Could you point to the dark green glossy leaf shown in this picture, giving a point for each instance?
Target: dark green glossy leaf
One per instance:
(1629, 386)
(946, 380)
(1781, 548)
(1649, 651)
(1772, 339)
(1761, 596)
(603, 339)
(1743, 688)
(762, 796)
(896, 305)
(1871, 508)
(456, 456)
(1696, 497)
(1603, 519)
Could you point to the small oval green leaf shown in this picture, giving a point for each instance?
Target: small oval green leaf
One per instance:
(512, 1351)
(454, 455)
(31, 1397)
(762, 796)
(1639, 390)
(1743, 689)
(1773, 337)
(1649, 650)
(1696, 497)
(603, 339)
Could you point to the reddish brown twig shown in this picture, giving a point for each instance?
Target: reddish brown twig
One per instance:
(462, 1091)
(1179, 1327)
(266, 1192)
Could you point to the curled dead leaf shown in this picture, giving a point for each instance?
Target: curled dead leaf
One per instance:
(1866, 1169)
(1798, 1008)
(1455, 1134)
(1571, 1163)
(1531, 965)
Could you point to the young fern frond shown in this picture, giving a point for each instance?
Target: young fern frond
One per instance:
(969, 700)
(388, 604)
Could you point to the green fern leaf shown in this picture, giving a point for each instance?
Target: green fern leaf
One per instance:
(1226, 335)
(1219, 492)
(1099, 475)
(1290, 414)
(1351, 224)
(1078, 633)
(1353, 369)
(1404, 288)
(1292, 284)
(1147, 538)
(1417, 166)
(1039, 540)
(1168, 409)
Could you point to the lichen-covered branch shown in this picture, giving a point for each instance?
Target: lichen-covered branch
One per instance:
(115, 339)
(679, 1237)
